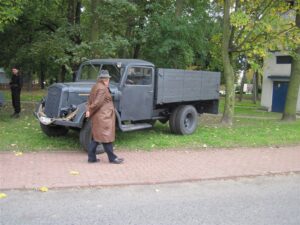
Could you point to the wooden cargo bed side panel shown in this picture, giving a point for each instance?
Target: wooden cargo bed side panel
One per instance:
(210, 85)
(184, 85)
(192, 85)
(170, 86)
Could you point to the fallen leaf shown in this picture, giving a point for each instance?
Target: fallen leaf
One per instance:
(73, 172)
(2, 195)
(43, 189)
(18, 153)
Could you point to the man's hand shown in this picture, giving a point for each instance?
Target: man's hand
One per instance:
(87, 114)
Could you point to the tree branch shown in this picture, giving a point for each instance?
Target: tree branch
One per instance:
(264, 42)
(258, 17)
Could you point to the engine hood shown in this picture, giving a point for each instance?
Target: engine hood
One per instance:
(80, 87)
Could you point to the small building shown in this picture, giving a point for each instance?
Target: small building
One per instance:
(276, 77)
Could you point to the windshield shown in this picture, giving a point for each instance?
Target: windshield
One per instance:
(91, 71)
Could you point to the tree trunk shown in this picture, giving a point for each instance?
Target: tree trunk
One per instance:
(78, 12)
(74, 69)
(290, 109)
(228, 70)
(71, 12)
(29, 87)
(136, 51)
(62, 74)
(254, 89)
(94, 20)
(42, 76)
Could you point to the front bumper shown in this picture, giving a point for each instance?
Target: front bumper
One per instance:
(65, 121)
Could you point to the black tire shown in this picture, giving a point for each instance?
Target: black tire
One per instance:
(172, 120)
(85, 137)
(186, 120)
(54, 130)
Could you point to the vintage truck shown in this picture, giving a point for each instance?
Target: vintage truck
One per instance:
(141, 93)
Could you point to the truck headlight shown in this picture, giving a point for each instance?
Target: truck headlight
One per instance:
(45, 120)
(67, 110)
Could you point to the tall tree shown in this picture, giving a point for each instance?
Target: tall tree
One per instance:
(290, 109)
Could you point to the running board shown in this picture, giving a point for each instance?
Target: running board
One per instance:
(136, 126)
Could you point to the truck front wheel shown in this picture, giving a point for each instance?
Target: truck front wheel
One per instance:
(172, 120)
(85, 137)
(186, 120)
(53, 130)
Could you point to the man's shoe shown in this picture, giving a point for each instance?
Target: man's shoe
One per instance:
(117, 161)
(94, 161)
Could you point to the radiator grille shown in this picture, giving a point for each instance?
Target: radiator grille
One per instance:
(53, 101)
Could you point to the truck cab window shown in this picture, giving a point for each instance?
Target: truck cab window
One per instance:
(139, 76)
(113, 71)
(89, 72)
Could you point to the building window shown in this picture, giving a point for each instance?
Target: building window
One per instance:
(283, 59)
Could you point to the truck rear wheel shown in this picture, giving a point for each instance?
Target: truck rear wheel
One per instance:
(85, 137)
(186, 120)
(54, 130)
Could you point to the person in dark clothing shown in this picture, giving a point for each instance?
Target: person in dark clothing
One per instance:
(16, 84)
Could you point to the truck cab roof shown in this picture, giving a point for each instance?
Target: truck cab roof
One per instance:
(124, 62)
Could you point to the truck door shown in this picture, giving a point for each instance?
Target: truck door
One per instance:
(136, 101)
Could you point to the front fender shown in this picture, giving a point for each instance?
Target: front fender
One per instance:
(80, 115)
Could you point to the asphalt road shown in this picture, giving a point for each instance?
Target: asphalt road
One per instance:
(262, 200)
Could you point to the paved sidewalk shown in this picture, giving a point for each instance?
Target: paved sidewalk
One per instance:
(59, 169)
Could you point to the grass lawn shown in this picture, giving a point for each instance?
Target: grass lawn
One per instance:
(252, 127)
(27, 96)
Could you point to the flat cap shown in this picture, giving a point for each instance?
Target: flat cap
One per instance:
(103, 74)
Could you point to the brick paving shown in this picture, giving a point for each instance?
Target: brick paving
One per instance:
(53, 169)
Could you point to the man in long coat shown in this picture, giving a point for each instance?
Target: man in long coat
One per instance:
(101, 111)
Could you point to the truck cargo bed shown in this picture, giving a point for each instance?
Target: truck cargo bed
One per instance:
(185, 86)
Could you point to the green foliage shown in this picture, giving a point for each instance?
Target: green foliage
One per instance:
(239, 18)
(43, 40)
(9, 11)
(183, 41)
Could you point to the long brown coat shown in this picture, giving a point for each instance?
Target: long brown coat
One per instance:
(102, 113)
